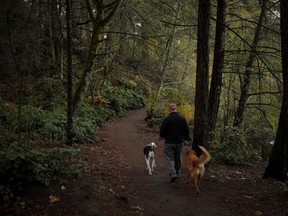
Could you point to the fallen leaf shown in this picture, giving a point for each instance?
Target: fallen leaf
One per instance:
(111, 190)
(138, 208)
(248, 197)
(258, 213)
(53, 199)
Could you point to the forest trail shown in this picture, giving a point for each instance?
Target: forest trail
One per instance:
(224, 190)
(116, 182)
(154, 192)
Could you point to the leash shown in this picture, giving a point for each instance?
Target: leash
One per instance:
(159, 140)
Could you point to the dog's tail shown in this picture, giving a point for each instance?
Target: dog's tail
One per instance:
(205, 156)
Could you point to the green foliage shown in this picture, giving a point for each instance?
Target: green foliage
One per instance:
(85, 125)
(187, 110)
(234, 148)
(123, 99)
(47, 121)
(32, 119)
(54, 127)
(260, 136)
(48, 93)
(48, 125)
(88, 121)
(19, 166)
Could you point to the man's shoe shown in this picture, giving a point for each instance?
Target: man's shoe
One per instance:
(173, 179)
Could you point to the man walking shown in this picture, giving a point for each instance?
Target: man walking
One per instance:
(175, 130)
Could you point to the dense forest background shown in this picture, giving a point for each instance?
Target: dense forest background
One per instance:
(123, 55)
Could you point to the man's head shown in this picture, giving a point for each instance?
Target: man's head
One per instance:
(172, 107)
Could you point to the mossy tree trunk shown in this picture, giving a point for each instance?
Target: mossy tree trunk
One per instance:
(69, 128)
(249, 65)
(218, 65)
(278, 163)
(100, 14)
(200, 135)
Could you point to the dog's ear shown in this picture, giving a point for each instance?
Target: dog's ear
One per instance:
(153, 145)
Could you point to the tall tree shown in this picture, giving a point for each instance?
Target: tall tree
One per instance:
(218, 65)
(69, 128)
(200, 135)
(100, 15)
(54, 26)
(166, 61)
(278, 163)
(249, 65)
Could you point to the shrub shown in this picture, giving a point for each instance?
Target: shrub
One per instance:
(48, 93)
(122, 99)
(20, 166)
(233, 147)
(54, 127)
(260, 137)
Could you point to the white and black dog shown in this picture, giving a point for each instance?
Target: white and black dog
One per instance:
(150, 157)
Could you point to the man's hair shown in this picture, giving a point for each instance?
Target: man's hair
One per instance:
(172, 106)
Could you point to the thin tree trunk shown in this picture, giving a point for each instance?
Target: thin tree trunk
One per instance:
(278, 162)
(163, 69)
(99, 20)
(54, 28)
(69, 129)
(87, 72)
(51, 31)
(200, 135)
(246, 81)
(218, 65)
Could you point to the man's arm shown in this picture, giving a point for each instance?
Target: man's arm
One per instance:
(163, 129)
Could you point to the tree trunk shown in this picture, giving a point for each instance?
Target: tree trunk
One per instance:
(69, 129)
(200, 135)
(51, 31)
(54, 27)
(246, 81)
(163, 69)
(278, 162)
(218, 64)
(87, 72)
(100, 18)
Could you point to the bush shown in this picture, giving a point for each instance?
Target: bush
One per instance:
(20, 166)
(233, 148)
(48, 93)
(122, 99)
(51, 125)
(54, 127)
(260, 137)
(44, 114)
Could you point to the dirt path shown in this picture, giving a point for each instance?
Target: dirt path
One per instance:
(228, 191)
(115, 182)
(155, 193)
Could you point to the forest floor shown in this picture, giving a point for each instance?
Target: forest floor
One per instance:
(116, 182)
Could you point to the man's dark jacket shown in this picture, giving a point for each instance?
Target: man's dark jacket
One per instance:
(174, 129)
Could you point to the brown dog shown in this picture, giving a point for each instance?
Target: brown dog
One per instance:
(195, 165)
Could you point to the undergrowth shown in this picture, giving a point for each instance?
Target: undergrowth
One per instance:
(21, 166)
(234, 146)
(42, 116)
